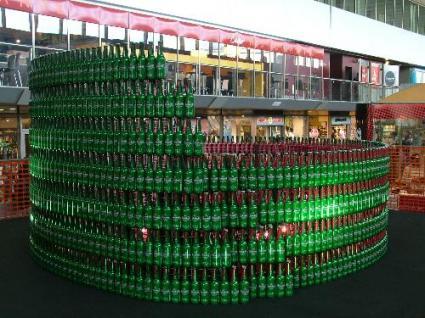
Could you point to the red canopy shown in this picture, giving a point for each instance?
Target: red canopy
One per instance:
(75, 10)
(84, 12)
(53, 8)
(114, 17)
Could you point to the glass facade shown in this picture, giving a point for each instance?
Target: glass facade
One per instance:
(211, 68)
(405, 14)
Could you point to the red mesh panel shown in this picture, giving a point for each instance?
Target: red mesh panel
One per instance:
(14, 189)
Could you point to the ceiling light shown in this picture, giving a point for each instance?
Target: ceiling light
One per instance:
(12, 108)
(18, 41)
(7, 120)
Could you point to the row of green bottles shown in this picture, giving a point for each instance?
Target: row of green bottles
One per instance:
(88, 65)
(153, 139)
(166, 174)
(206, 212)
(151, 101)
(171, 285)
(209, 251)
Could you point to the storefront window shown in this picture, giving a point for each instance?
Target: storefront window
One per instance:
(407, 132)
(50, 32)
(113, 35)
(209, 81)
(169, 44)
(8, 138)
(187, 75)
(295, 126)
(14, 59)
(227, 81)
(188, 50)
(276, 85)
(239, 127)
(227, 55)
(16, 28)
(137, 36)
(84, 34)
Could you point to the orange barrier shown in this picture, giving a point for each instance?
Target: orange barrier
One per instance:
(407, 178)
(14, 189)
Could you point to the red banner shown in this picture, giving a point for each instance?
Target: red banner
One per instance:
(53, 8)
(189, 30)
(364, 74)
(141, 22)
(84, 12)
(113, 17)
(166, 26)
(22, 5)
(375, 73)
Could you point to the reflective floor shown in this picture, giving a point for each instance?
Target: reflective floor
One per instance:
(391, 288)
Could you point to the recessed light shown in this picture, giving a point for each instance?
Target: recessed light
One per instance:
(7, 120)
(18, 41)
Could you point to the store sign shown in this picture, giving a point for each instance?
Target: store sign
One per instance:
(375, 73)
(343, 120)
(270, 121)
(391, 75)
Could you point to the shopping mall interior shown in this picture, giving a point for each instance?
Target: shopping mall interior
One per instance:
(171, 159)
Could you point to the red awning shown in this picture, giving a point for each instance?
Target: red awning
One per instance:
(141, 22)
(246, 40)
(209, 34)
(227, 37)
(53, 8)
(277, 46)
(113, 17)
(22, 5)
(166, 26)
(80, 11)
(263, 43)
(84, 12)
(189, 30)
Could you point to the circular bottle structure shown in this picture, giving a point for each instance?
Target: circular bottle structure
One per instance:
(128, 195)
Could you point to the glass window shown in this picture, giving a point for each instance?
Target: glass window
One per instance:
(410, 18)
(380, 10)
(83, 34)
(136, 36)
(113, 35)
(245, 83)
(244, 54)
(361, 7)
(49, 32)
(371, 9)
(338, 3)
(169, 44)
(209, 80)
(187, 74)
(16, 28)
(261, 84)
(188, 50)
(389, 11)
(421, 21)
(208, 53)
(276, 85)
(14, 60)
(228, 81)
(228, 55)
(316, 67)
(277, 62)
(349, 5)
(398, 20)
(290, 66)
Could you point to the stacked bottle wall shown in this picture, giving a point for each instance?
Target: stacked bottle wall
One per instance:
(130, 196)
